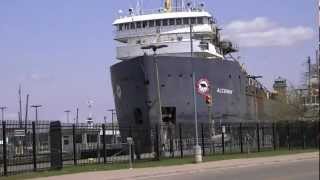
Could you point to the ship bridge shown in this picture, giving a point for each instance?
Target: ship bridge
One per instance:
(170, 26)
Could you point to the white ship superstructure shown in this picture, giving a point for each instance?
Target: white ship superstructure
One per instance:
(174, 27)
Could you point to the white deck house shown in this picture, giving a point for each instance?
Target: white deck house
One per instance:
(170, 27)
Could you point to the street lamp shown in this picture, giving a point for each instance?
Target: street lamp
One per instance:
(36, 111)
(112, 113)
(2, 112)
(37, 132)
(154, 49)
(68, 115)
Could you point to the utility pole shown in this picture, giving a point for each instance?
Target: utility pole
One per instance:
(2, 112)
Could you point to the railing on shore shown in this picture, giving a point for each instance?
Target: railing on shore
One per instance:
(25, 149)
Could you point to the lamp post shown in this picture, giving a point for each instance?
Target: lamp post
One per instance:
(197, 147)
(68, 115)
(2, 112)
(154, 48)
(37, 132)
(112, 125)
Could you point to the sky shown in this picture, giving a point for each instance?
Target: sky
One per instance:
(61, 51)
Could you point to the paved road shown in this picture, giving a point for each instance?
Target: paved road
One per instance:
(298, 170)
(289, 167)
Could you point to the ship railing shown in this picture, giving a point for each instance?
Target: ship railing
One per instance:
(161, 10)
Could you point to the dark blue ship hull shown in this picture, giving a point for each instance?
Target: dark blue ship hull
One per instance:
(135, 92)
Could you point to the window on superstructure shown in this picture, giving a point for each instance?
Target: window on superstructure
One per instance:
(126, 26)
(120, 27)
(132, 25)
(193, 20)
(138, 25)
(172, 22)
(144, 24)
(158, 22)
(178, 21)
(185, 21)
(200, 20)
(151, 23)
(165, 22)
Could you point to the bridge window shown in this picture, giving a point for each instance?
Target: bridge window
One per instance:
(158, 22)
(132, 25)
(151, 23)
(200, 20)
(126, 26)
(120, 27)
(138, 25)
(178, 21)
(144, 24)
(185, 21)
(172, 22)
(165, 22)
(193, 20)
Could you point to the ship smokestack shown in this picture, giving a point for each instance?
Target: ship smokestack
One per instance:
(168, 5)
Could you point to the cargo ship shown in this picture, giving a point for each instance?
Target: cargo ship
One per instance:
(159, 51)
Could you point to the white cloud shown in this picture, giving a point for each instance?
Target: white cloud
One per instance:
(262, 32)
(39, 77)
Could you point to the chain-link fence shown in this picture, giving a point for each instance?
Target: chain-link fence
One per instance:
(39, 145)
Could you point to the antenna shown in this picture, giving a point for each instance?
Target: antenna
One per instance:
(20, 107)
(26, 115)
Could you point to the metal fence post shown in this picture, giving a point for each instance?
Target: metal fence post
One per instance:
(132, 145)
(274, 136)
(258, 137)
(157, 143)
(302, 135)
(104, 143)
(263, 135)
(74, 144)
(222, 141)
(288, 135)
(202, 139)
(241, 139)
(180, 142)
(4, 140)
(316, 133)
(34, 146)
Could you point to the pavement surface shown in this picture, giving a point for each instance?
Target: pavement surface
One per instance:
(289, 167)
